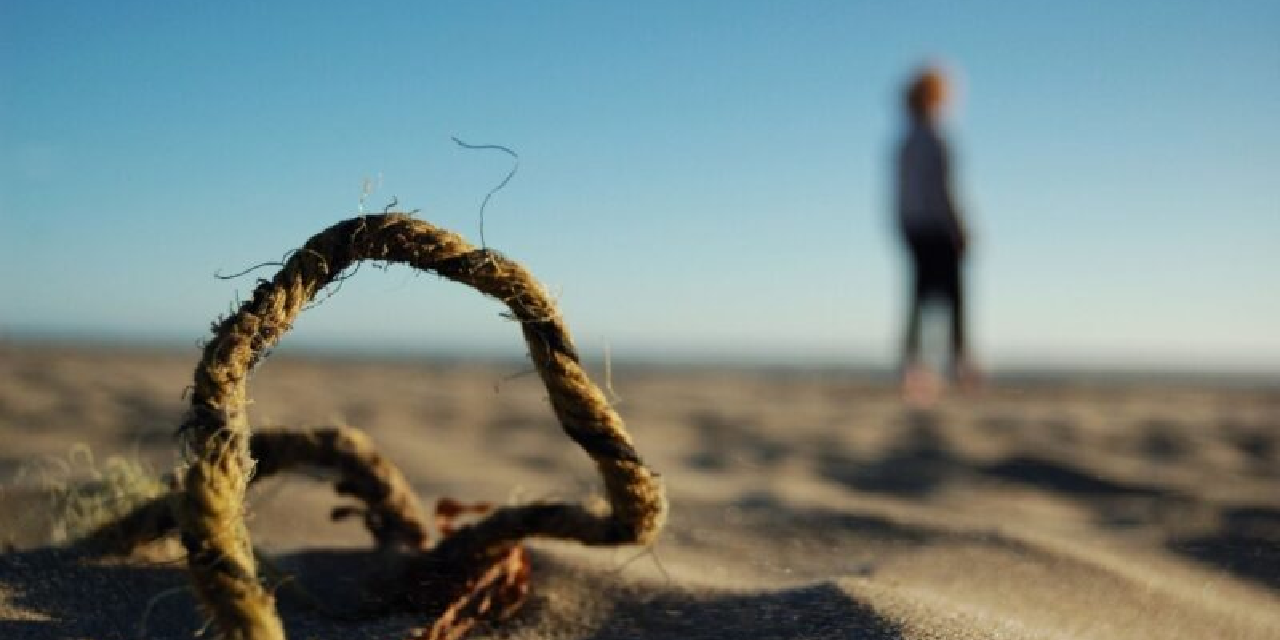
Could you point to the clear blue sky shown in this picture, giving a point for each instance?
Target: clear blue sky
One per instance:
(697, 178)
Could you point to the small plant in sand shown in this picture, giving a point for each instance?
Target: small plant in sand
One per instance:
(85, 496)
(473, 572)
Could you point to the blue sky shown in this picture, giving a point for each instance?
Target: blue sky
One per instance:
(697, 179)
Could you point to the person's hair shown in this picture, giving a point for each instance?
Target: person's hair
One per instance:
(926, 92)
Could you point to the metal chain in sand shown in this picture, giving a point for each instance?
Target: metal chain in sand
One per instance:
(210, 507)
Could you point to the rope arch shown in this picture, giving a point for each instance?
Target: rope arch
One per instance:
(210, 505)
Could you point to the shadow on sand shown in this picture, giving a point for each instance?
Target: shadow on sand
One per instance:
(55, 593)
(916, 464)
(820, 611)
(1246, 543)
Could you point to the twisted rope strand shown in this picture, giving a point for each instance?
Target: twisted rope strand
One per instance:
(210, 509)
(391, 511)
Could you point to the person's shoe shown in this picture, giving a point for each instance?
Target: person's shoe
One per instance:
(920, 387)
(967, 377)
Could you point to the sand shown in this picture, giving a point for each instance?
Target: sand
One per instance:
(804, 504)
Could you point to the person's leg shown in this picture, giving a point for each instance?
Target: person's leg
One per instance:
(915, 307)
(920, 386)
(911, 339)
(963, 370)
(955, 296)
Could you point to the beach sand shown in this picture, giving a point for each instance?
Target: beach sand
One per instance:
(803, 504)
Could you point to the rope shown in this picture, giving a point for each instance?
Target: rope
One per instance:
(390, 510)
(210, 507)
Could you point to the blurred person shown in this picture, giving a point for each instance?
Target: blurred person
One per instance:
(934, 233)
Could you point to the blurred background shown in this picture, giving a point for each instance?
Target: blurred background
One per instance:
(698, 182)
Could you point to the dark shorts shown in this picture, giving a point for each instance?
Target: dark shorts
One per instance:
(936, 260)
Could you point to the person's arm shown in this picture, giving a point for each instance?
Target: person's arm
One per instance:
(959, 232)
(900, 196)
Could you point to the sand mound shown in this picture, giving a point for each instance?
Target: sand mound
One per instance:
(803, 505)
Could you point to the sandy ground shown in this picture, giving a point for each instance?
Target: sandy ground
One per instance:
(804, 505)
